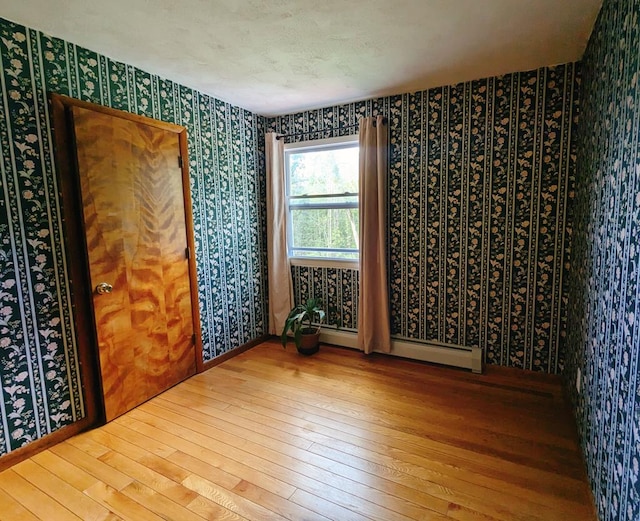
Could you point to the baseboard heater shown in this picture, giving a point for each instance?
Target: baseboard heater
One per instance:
(452, 355)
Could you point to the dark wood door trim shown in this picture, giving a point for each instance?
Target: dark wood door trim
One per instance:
(76, 247)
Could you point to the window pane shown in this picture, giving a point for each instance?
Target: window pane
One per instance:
(333, 171)
(346, 200)
(322, 254)
(324, 229)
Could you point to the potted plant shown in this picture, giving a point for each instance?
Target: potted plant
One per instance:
(300, 322)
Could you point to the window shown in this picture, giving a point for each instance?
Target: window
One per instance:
(322, 198)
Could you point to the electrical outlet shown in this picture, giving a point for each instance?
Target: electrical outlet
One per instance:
(578, 379)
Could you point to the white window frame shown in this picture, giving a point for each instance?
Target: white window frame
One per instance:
(303, 146)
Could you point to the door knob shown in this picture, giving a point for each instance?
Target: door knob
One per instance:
(104, 288)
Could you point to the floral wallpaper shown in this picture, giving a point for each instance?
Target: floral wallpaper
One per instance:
(479, 181)
(604, 340)
(40, 390)
(337, 288)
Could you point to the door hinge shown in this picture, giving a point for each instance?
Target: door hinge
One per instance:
(187, 253)
(180, 161)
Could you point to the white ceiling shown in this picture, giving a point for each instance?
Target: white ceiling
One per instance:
(281, 56)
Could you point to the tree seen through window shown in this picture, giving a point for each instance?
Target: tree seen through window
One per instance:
(323, 201)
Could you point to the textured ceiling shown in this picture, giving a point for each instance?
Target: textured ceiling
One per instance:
(280, 56)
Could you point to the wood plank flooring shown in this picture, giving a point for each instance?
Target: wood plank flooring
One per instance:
(337, 436)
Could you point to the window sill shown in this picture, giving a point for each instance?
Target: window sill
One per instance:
(325, 263)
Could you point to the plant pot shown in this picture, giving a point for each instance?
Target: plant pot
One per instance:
(309, 342)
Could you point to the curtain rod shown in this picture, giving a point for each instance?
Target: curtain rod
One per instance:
(282, 136)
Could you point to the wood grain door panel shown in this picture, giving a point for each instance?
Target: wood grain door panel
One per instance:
(131, 188)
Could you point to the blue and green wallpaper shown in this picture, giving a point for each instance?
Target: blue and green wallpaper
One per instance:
(40, 390)
(480, 177)
(603, 285)
(337, 288)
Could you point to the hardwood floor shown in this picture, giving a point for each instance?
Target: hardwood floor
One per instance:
(337, 436)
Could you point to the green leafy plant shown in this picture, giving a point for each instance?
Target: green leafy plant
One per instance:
(301, 319)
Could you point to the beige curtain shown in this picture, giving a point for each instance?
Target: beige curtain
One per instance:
(280, 283)
(374, 331)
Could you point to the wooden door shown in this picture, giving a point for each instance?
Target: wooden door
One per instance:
(133, 207)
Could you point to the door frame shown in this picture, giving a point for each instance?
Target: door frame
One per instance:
(76, 245)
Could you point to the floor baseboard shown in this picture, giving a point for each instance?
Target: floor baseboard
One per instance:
(455, 356)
